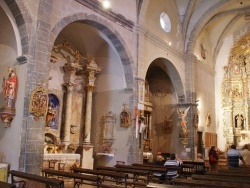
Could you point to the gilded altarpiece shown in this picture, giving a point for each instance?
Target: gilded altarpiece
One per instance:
(235, 95)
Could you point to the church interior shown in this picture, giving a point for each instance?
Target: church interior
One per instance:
(101, 82)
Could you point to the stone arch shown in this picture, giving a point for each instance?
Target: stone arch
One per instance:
(168, 67)
(23, 19)
(210, 14)
(143, 10)
(109, 31)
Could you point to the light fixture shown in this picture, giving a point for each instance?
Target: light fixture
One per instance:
(106, 4)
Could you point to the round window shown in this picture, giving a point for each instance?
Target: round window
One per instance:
(165, 22)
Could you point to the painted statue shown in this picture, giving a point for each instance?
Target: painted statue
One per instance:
(10, 88)
(183, 123)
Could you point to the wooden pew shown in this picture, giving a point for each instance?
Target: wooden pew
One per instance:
(154, 169)
(228, 173)
(6, 185)
(198, 167)
(151, 169)
(207, 183)
(33, 177)
(136, 175)
(117, 177)
(228, 179)
(236, 170)
(78, 178)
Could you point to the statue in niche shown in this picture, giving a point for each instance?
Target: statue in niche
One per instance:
(236, 68)
(239, 121)
(52, 113)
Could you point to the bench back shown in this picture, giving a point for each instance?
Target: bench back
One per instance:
(36, 178)
(198, 167)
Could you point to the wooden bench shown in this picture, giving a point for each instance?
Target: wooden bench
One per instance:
(78, 178)
(136, 174)
(37, 178)
(207, 183)
(236, 170)
(228, 179)
(154, 169)
(185, 170)
(151, 169)
(228, 173)
(118, 178)
(198, 167)
(6, 185)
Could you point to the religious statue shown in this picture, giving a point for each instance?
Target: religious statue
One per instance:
(50, 113)
(9, 85)
(10, 88)
(183, 123)
(125, 118)
(239, 121)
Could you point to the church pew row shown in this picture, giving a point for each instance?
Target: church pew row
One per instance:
(139, 178)
(23, 177)
(229, 173)
(207, 183)
(152, 171)
(79, 179)
(236, 170)
(229, 179)
(187, 168)
(106, 176)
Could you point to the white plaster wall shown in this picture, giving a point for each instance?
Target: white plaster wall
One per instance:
(9, 51)
(111, 76)
(103, 102)
(152, 21)
(222, 60)
(203, 39)
(205, 87)
(126, 8)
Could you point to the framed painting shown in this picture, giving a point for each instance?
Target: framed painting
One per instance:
(125, 118)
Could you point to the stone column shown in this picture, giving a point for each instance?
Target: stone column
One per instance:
(87, 156)
(87, 130)
(67, 123)
(189, 143)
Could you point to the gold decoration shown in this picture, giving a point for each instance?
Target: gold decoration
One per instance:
(39, 102)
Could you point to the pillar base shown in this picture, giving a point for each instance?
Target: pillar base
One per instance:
(87, 156)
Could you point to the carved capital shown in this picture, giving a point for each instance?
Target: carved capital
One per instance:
(69, 86)
(90, 88)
